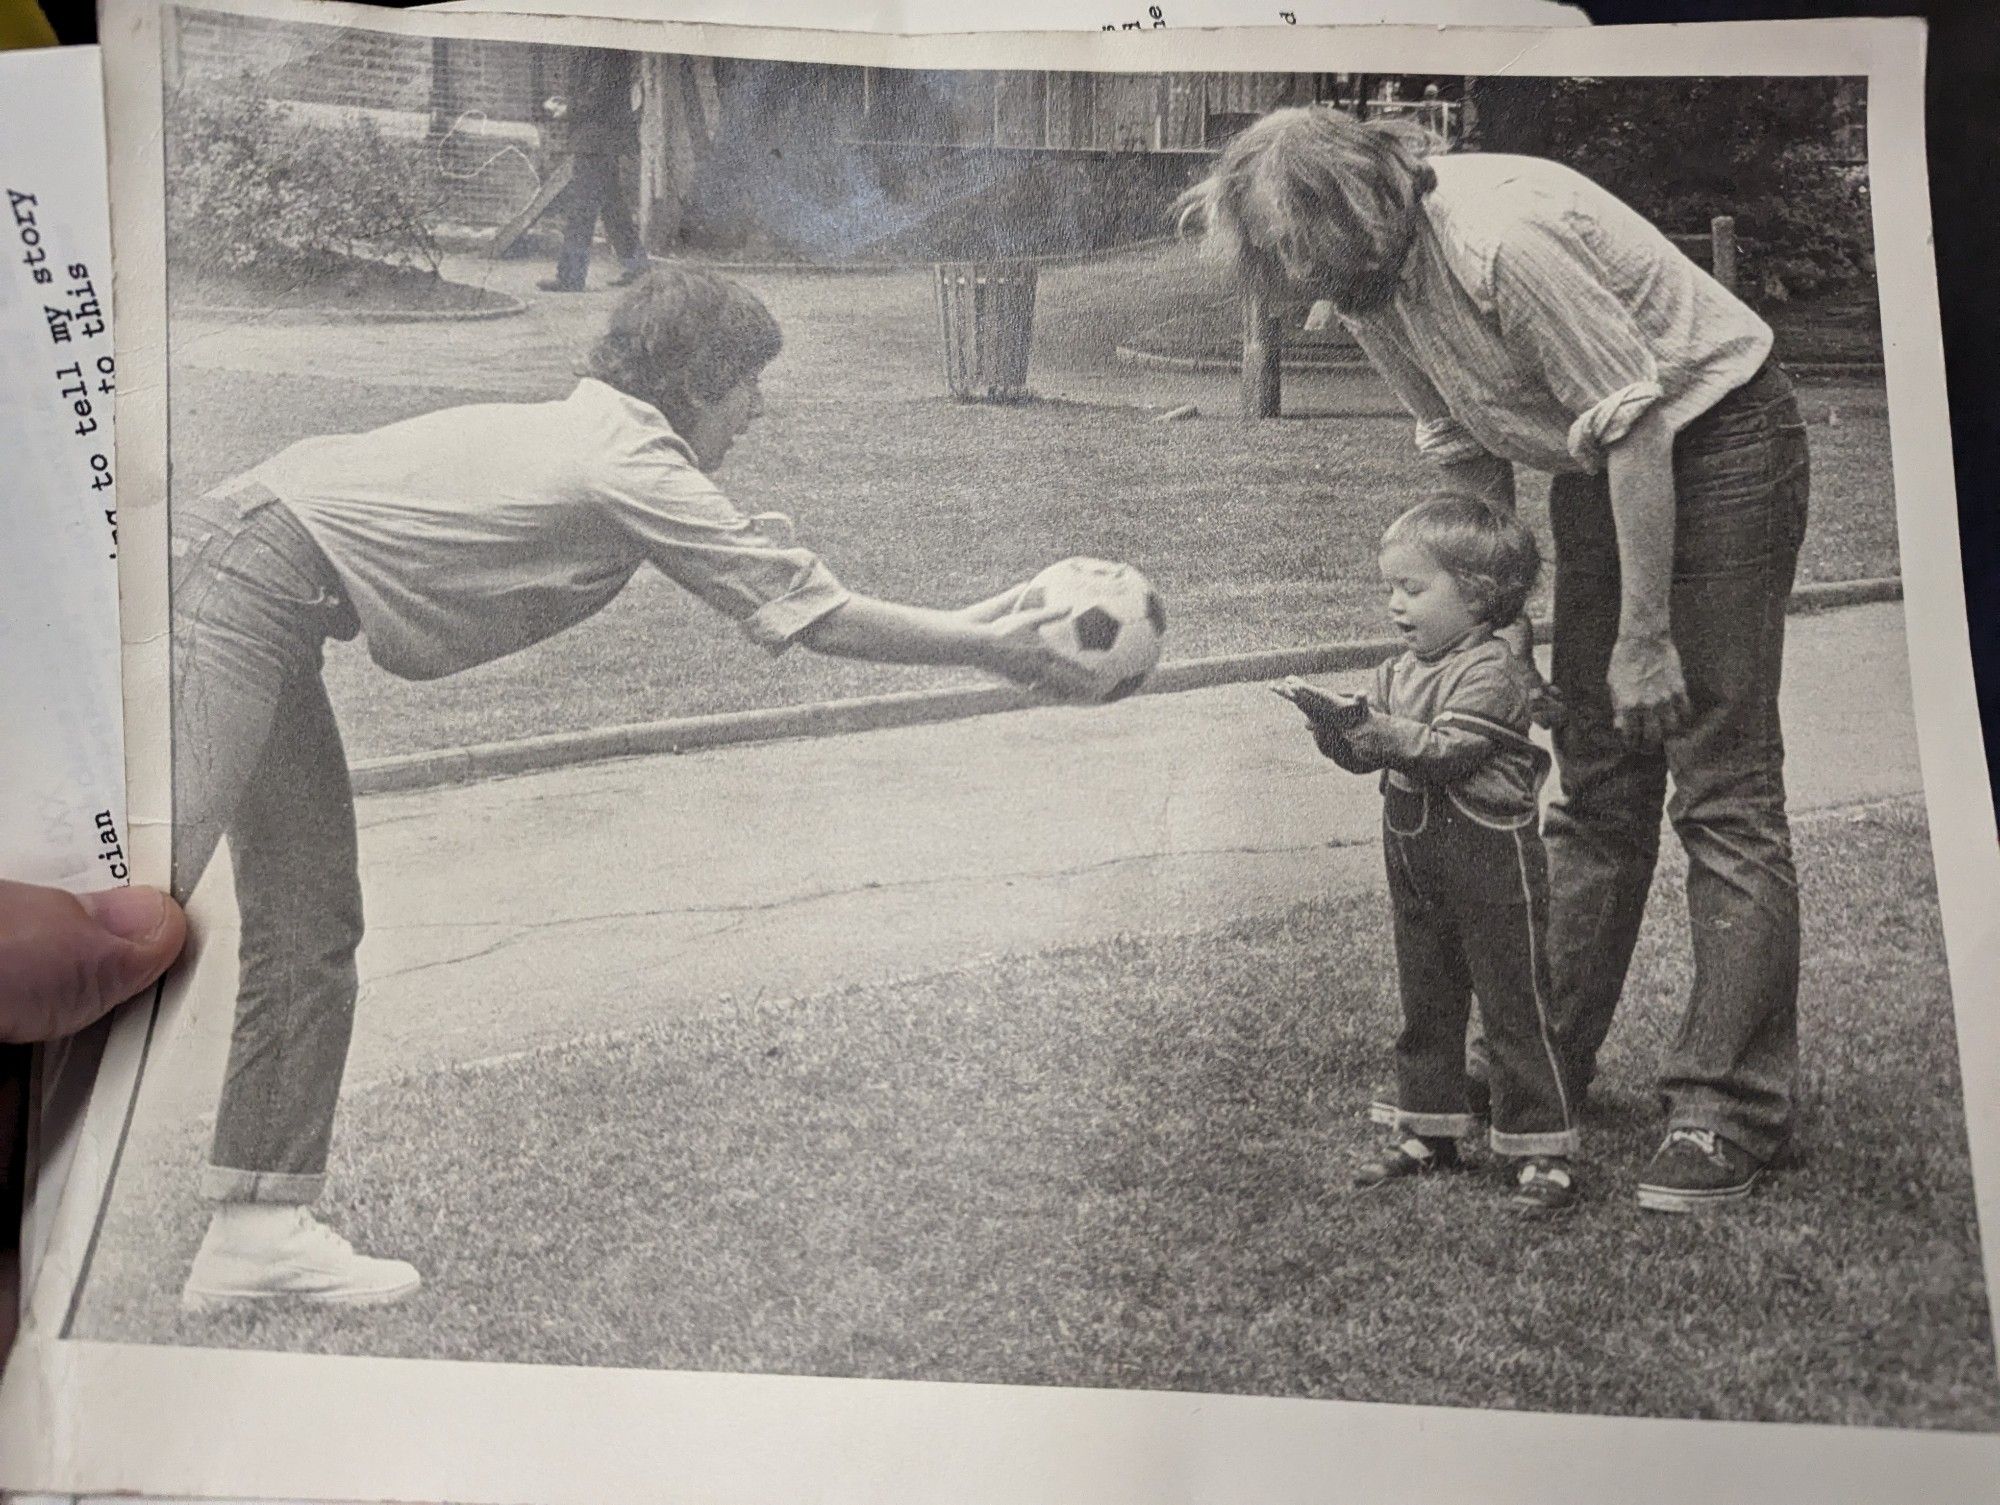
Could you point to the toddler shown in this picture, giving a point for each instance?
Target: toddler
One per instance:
(1446, 724)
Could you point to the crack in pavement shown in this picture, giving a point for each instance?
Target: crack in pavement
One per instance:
(519, 930)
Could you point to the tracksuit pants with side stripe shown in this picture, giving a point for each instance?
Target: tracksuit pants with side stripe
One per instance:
(1470, 903)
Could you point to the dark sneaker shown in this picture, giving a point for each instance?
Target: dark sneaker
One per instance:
(1697, 1168)
(1543, 1186)
(1418, 1155)
(633, 270)
(557, 285)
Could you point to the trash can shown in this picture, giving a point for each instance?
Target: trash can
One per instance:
(987, 312)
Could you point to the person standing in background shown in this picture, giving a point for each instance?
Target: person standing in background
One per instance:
(603, 117)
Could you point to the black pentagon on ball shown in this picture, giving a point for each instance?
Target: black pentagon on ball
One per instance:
(1096, 629)
(1126, 686)
(1156, 612)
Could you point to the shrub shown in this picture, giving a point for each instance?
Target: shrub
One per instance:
(253, 186)
(1684, 150)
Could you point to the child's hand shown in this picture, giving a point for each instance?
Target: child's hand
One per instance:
(1324, 708)
(1546, 707)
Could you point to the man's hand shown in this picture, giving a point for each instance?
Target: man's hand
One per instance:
(1017, 649)
(65, 960)
(1649, 698)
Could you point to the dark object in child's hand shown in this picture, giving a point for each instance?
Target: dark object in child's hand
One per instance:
(1338, 714)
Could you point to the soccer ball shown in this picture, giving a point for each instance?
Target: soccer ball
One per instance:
(1114, 624)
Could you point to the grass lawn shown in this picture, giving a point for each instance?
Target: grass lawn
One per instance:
(1257, 537)
(1125, 1164)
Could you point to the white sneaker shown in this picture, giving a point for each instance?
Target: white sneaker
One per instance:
(262, 1253)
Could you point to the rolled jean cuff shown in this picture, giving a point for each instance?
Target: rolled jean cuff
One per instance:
(221, 1183)
(1555, 1142)
(1437, 1125)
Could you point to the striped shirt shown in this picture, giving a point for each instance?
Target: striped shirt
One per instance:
(1539, 318)
(470, 533)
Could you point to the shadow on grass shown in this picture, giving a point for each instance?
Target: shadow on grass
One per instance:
(1125, 1164)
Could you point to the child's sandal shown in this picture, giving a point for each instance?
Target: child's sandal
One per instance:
(1417, 1155)
(1543, 1186)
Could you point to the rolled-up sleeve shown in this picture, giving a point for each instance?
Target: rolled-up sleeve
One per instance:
(1554, 306)
(695, 536)
(1441, 438)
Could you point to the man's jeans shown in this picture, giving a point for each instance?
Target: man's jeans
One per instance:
(256, 753)
(596, 191)
(1741, 479)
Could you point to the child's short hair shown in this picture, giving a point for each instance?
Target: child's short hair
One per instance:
(1484, 548)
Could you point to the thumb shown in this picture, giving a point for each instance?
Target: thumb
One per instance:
(65, 959)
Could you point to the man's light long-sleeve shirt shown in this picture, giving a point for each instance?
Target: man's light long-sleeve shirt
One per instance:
(1539, 317)
(470, 533)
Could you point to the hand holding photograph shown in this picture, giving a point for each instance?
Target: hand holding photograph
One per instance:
(977, 1037)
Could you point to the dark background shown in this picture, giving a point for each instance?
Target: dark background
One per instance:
(1963, 131)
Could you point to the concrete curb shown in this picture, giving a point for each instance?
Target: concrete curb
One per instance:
(289, 316)
(405, 772)
(924, 264)
(1134, 355)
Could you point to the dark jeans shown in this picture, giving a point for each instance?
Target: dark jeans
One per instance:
(1741, 480)
(1470, 903)
(256, 754)
(594, 191)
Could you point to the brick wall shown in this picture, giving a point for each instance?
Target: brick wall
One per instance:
(317, 64)
(474, 103)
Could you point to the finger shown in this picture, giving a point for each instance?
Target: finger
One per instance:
(1655, 725)
(67, 960)
(1680, 712)
(1022, 621)
(1639, 726)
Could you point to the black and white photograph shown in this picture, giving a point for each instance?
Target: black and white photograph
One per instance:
(1236, 732)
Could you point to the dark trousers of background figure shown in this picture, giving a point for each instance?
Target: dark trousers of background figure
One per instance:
(596, 191)
(1469, 903)
(256, 754)
(1742, 480)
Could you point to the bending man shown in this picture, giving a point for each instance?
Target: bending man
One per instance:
(1527, 317)
(450, 540)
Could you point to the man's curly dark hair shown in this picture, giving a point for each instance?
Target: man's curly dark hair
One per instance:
(683, 336)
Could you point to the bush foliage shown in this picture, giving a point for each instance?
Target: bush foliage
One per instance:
(254, 186)
(1682, 151)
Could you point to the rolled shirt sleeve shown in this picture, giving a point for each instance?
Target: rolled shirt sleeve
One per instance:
(1551, 298)
(773, 589)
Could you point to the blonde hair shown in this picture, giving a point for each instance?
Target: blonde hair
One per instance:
(1486, 549)
(1311, 197)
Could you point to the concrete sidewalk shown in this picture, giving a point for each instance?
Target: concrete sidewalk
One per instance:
(525, 911)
